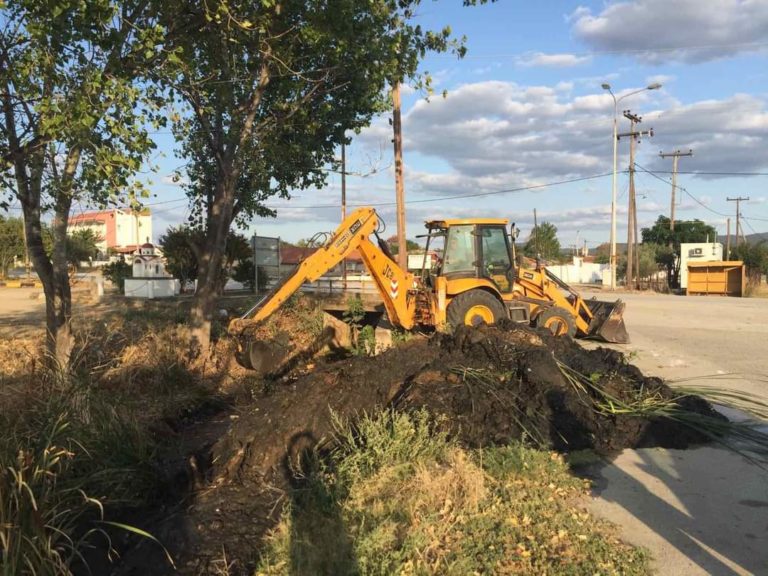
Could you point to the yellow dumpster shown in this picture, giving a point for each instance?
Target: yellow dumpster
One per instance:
(721, 278)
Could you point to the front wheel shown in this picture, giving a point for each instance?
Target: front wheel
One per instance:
(475, 307)
(558, 321)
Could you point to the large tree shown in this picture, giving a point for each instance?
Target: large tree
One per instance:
(269, 90)
(668, 242)
(543, 242)
(183, 247)
(755, 258)
(72, 123)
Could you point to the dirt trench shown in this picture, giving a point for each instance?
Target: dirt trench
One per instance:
(489, 385)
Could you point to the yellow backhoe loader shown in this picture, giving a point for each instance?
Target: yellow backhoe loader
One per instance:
(475, 281)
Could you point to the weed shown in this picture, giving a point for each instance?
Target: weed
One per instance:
(400, 336)
(396, 496)
(362, 338)
(744, 438)
(366, 341)
(80, 443)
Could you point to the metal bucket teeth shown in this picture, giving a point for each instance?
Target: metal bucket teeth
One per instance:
(608, 321)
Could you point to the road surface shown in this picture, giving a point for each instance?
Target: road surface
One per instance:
(701, 511)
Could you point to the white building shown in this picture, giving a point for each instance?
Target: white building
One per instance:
(697, 252)
(150, 278)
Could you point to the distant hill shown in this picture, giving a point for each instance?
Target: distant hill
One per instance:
(750, 238)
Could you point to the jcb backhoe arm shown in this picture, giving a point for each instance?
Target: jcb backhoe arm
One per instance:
(392, 282)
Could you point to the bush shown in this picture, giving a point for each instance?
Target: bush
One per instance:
(117, 272)
(56, 452)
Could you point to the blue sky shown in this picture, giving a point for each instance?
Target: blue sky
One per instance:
(525, 108)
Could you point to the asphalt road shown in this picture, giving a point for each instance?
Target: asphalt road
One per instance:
(714, 340)
(705, 510)
(21, 310)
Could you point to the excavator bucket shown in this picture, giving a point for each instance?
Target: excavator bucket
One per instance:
(262, 356)
(607, 321)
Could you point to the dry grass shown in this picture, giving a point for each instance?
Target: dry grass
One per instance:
(399, 498)
(756, 290)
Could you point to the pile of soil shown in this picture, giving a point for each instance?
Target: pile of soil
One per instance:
(491, 385)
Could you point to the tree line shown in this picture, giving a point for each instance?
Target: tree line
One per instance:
(257, 94)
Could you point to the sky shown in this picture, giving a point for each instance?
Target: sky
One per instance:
(525, 125)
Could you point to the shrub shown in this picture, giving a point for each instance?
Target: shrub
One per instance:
(117, 272)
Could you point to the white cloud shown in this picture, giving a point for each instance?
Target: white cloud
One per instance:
(662, 79)
(552, 60)
(685, 30)
(501, 135)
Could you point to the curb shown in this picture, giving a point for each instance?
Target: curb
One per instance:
(21, 284)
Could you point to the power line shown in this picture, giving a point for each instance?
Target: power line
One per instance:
(746, 220)
(682, 189)
(460, 196)
(702, 173)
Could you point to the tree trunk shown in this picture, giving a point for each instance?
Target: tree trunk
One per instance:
(211, 261)
(64, 340)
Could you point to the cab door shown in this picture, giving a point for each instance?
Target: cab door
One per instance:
(494, 257)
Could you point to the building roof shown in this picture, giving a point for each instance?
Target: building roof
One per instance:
(102, 215)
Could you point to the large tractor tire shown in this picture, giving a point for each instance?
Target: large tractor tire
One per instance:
(475, 307)
(557, 320)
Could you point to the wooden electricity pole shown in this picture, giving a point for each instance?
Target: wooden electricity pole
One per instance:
(739, 232)
(343, 208)
(675, 157)
(728, 239)
(402, 253)
(633, 263)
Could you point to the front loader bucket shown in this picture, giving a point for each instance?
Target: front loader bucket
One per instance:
(607, 321)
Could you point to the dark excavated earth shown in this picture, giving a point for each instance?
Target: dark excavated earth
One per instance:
(487, 385)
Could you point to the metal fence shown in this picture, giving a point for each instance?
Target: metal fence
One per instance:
(357, 284)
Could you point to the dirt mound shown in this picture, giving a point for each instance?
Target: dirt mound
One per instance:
(492, 385)
(488, 385)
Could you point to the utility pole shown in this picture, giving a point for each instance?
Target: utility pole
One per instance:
(402, 253)
(536, 237)
(633, 263)
(606, 86)
(728, 239)
(739, 231)
(343, 209)
(675, 157)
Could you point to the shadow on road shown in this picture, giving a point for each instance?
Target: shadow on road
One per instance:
(700, 511)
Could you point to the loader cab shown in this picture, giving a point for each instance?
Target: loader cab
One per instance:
(475, 249)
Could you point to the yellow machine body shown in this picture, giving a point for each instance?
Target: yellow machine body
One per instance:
(476, 281)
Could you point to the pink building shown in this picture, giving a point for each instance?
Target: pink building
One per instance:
(122, 230)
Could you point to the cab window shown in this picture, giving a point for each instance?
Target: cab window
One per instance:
(496, 261)
(459, 250)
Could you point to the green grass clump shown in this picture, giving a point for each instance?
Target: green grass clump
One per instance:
(64, 455)
(397, 497)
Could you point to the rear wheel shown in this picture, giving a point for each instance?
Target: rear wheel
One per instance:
(475, 307)
(557, 320)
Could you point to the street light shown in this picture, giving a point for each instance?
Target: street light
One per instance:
(606, 86)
